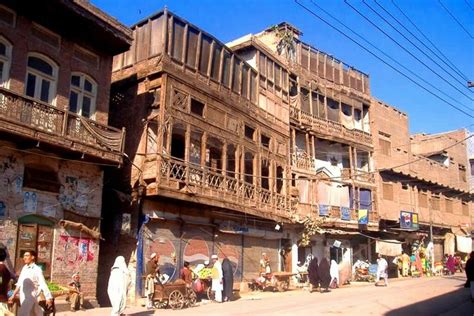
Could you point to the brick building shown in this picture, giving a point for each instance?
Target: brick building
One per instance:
(54, 133)
(424, 177)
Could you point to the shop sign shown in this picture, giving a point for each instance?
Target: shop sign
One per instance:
(408, 220)
(345, 213)
(363, 217)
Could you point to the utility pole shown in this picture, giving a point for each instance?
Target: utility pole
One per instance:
(431, 236)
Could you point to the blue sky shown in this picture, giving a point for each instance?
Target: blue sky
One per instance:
(228, 20)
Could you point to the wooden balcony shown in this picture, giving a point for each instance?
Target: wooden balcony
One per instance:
(358, 176)
(302, 161)
(330, 129)
(214, 188)
(37, 120)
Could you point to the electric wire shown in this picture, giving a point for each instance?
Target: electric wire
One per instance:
(469, 5)
(463, 84)
(455, 19)
(382, 60)
(388, 56)
(454, 69)
(429, 41)
(403, 47)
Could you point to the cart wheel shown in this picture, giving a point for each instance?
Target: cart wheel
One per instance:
(176, 300)
(160, 304)
(210, 294)
(192, 298)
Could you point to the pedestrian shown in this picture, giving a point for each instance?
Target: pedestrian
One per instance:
(470, 274)
(313, 273)
(187, 275)
(334, 271)
(217, 275)
(405, 264)
(119, 282)
(76, 297)
(325, 275)
(382, 266)
(450, 264)
(5, 277)
(30, 285)
(228, 274)
(151, 271)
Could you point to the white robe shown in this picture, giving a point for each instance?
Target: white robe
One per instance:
(119, 282)
(217, 282)
(334, 271)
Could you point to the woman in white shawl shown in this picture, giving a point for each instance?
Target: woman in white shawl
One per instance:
(334, 272)
(119, 282)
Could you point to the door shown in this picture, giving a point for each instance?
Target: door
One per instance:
(35, 237)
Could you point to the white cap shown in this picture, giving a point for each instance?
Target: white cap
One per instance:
(214, 257)
(153, 255)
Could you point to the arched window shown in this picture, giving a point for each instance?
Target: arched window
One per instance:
(83, 95)
(41, 78)
(5, 61)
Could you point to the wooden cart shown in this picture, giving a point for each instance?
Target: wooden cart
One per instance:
(175, 295)
(281, 280)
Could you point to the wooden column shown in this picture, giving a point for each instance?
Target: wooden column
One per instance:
(203, 149)
(187, 143)
(224, 158)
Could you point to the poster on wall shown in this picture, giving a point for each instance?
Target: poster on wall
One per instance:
(408, 220)
(30, 202)
(363, 216)
(345, 213)
(414, 220)
(323, 210)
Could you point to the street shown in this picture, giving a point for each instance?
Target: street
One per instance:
(425, 296)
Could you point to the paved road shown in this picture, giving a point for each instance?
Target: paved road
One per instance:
(425, 296)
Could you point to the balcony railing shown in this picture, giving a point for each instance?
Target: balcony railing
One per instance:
(358, 175)
(205, 182)
(330, 128)
(27, 112)
(303, 161)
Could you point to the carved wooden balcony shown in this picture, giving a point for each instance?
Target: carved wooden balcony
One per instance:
(330, 129)
(202, 182)
(303, 161)
(34, 119)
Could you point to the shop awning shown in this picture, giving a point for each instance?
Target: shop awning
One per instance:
(390, 248)
(463, 244)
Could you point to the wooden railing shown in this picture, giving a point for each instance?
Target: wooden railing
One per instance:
(25, 111)
(205, 182)
(331, 128)
(303, 161)
(357, 175)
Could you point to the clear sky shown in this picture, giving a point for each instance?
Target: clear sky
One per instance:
(230, 19)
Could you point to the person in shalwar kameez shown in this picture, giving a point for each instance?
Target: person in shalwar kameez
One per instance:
(217, 275)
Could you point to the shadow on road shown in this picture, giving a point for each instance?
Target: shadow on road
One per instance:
(457, 302)
(151, 312)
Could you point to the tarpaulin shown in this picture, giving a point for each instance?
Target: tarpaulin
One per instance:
(449, 244)
(463, 244)
(365, 199)
(390, 248)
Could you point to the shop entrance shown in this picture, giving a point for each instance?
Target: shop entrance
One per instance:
(35, 233)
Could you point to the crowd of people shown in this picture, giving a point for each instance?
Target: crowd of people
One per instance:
(323, 275)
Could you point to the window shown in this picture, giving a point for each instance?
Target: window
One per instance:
(422, 199)
(197, 107)
(265, 140)
(435, 203)
(41, 78)
(449, 205)
(7, 16)
(387, 191)
(5, 60)
(249, 132)
(83, 95)
(41, 178)
(404, 186)
(385, 146)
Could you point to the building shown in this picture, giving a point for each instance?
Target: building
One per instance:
(423, 183)
(209, 172)
(330, 138)
(54, 133)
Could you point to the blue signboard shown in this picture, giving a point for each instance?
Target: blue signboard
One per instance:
(345, 213)
(324, 210)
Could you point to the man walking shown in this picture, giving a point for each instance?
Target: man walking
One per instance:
(382, 266)
(217, 275)
(30, 285)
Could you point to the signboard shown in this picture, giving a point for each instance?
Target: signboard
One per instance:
(408, 220)
(345, 213)
(363, 217)
(323, 210)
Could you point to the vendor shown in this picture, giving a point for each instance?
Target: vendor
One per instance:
(152, 271)
(265, 269)
(187, 275)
